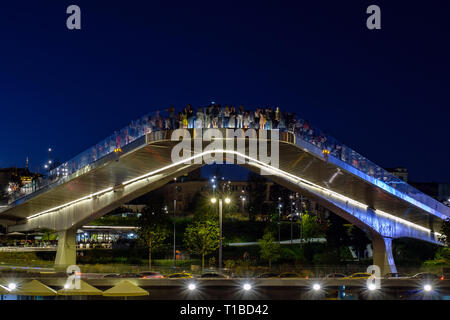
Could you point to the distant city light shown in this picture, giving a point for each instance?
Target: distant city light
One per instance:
(49, 149)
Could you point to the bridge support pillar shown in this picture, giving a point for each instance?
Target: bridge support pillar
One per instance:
(382, 254)
(66, 253)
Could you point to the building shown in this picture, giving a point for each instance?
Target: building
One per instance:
(439, 191)
(18, 181)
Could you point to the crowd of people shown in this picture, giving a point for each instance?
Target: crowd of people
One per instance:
(217, 116)
(210, 116)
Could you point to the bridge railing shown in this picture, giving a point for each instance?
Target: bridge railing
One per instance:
(166, 120)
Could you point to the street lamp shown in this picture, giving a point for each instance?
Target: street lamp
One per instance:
(279, 220)
(372, 287)
(192, 287)
(227, 201)
(243, 204)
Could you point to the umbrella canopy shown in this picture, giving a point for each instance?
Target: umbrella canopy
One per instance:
(35, 288)
(36, 234)
(85, 290)
(15, 234)
(125, 288)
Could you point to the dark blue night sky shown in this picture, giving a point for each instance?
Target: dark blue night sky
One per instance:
(384, 93)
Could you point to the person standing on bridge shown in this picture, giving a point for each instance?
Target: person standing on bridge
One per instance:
(226, 116)
(190, 116)
(240, 117)
(199, 118)
(215, 116)
(232, 122)
(262, 120)
(256, 117)
(277, 118)
(184, 119)
(172, 117)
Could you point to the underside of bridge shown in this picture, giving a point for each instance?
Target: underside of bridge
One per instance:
(146, 165)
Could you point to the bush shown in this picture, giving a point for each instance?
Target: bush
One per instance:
(230, 264)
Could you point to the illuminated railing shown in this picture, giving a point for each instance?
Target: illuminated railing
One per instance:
(157, 121)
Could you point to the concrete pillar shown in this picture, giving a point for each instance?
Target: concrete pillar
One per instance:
(382, 254)
(67, 251)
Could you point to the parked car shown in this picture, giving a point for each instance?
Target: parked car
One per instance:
(289, 275)
(292, 216)
(425, 276)
(212, 275)
(112, 275)
(181, 275)
(269, 275)
(150, 275)
(359, 275)
(335, 276)
(396, 275)
(130, 275)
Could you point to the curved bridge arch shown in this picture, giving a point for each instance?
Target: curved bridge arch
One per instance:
(145, 164)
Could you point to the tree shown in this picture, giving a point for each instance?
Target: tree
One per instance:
(311, 228)
(359, 240)
(337, 235)
(48, 235)
(445, 231)
(153, 228)
(202, 237)
(256, 194)
(269, 249)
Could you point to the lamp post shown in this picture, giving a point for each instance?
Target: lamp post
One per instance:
(227, 201)
(243, 204)
(279, 220)
(301, 220)
(174, 229)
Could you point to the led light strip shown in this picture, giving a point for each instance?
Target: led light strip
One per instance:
(6, 288)
(258, 163)
(70, 203)
(109, 227)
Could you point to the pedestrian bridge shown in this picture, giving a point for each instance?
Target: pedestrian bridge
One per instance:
(138, 159)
